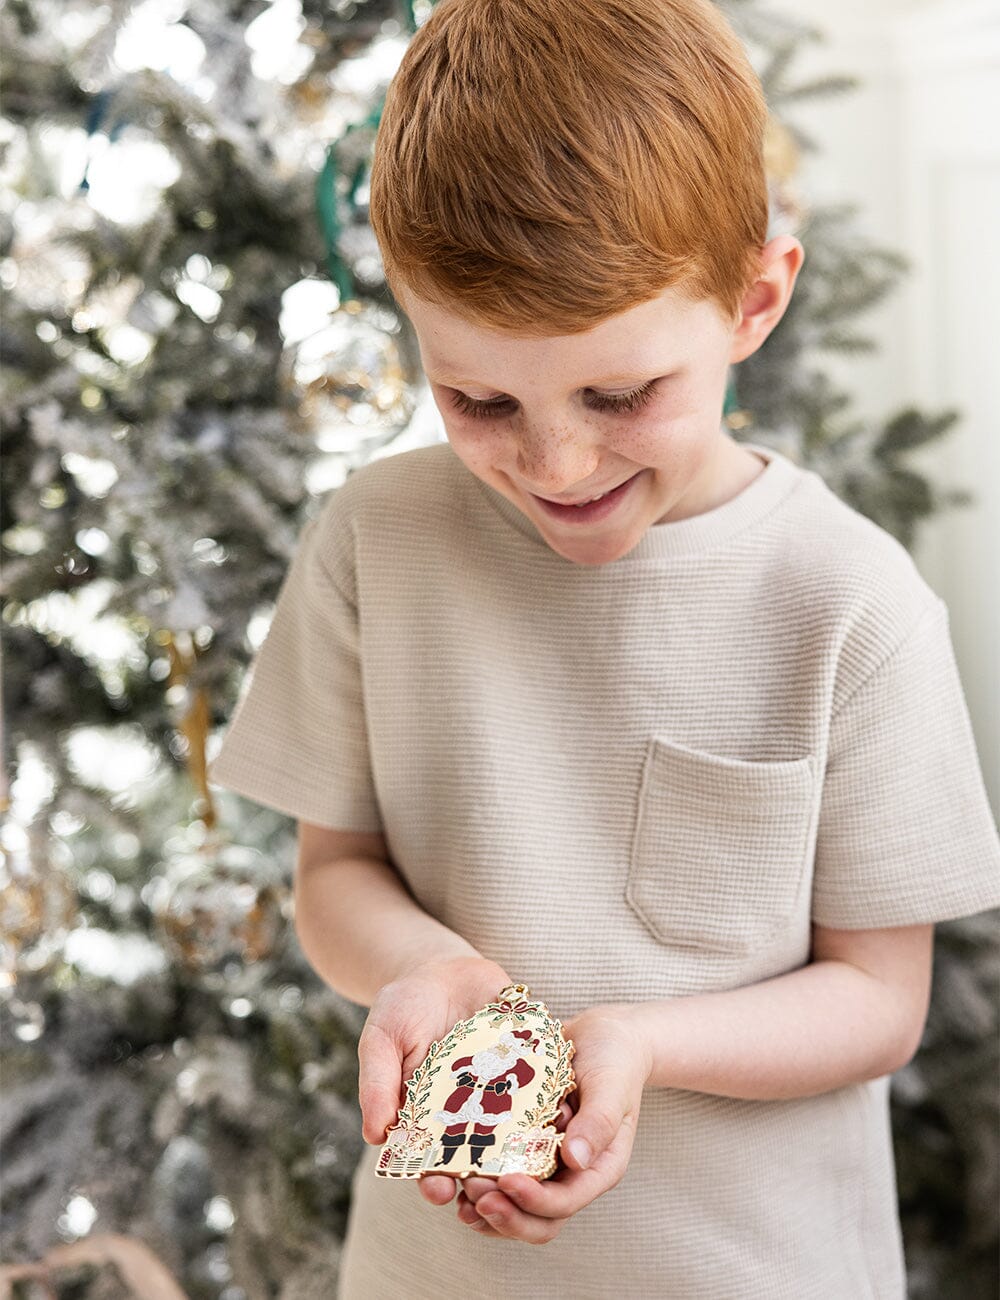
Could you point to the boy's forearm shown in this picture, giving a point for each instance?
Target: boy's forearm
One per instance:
(360, 928)
(821, 1027)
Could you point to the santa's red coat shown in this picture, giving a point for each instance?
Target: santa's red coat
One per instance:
(494, 1103)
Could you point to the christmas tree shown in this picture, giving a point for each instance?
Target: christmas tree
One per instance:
(199, 345)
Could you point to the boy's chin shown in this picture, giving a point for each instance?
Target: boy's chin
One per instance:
(595, 550)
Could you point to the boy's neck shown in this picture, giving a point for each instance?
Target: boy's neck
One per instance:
(735, 469)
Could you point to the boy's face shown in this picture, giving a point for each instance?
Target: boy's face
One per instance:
(634, 404)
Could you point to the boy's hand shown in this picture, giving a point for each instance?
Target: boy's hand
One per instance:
(409, 1014)
(612, 1064)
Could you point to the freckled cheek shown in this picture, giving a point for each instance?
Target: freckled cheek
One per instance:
(664, 441)
(653, 441)
(475, 449)
(471, 444)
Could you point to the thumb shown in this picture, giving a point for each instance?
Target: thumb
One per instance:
(596, 1123)
(379, 1082)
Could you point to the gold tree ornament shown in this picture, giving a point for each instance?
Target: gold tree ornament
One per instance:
(781, 153)
(38, 906)
(349, 378)
(194, 725)
(781, 164)
(485, 1098)
(220, 903)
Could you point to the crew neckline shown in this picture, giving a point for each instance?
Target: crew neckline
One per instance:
(684, 536)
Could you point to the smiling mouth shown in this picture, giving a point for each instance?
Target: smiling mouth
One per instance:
(584, 501)
(592, 508)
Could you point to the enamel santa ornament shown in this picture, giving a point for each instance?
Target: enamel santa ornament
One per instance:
(485, 1098)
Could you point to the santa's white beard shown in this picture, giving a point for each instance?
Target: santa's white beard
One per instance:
(488, 1064)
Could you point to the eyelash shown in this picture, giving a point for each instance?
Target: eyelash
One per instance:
(621, 404)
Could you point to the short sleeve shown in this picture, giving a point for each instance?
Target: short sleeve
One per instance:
(297, 740)
(906, 835)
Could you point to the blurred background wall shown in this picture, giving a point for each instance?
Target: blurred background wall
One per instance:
(916, 143)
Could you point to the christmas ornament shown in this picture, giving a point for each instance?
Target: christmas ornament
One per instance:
(38, 907)
(781, 153)
(781, 164)
(220, 903)
(183, 652)
(484, 1099)
(53, 266)
(349, 380)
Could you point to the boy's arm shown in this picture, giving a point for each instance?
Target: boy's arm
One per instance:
(356, 921)
(855, 1012)
(367, 937)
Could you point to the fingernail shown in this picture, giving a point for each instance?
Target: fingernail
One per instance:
(494, 1219)
(580, 1151)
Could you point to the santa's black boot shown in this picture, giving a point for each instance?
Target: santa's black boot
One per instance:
(479, 1142)
(451, 1142)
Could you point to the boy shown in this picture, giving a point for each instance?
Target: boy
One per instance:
(691, 761)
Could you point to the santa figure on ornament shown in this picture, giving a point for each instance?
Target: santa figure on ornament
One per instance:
(484, 1093)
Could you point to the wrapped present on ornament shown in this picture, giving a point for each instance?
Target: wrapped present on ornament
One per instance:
(485, 1098)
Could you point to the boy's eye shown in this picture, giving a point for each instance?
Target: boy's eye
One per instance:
(618, 403)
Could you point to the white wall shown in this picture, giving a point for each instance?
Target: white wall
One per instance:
(917, 146)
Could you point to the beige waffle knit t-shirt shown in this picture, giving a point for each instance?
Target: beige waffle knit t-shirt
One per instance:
(632, 781)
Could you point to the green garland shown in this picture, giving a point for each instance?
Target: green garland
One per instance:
(326, 189)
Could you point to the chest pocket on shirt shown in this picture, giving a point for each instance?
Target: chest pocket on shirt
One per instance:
(720, 846)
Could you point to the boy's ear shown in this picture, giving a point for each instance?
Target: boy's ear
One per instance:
(765, 303)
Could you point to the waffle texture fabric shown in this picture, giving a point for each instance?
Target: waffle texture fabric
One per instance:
(624, 782)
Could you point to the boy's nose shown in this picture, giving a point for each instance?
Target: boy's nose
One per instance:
(556, 464)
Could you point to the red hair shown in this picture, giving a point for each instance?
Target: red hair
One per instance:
(542, 165)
